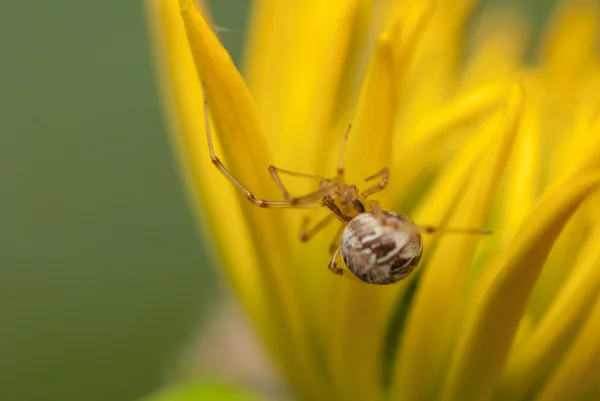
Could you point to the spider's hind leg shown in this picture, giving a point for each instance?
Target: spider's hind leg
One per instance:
(333, 264)
(335, 242)
(307, 233)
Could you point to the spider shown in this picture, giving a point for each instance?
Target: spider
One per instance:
(377, 246)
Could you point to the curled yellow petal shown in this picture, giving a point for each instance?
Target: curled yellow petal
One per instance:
(531, 361)
(577, 375)
(498, 307)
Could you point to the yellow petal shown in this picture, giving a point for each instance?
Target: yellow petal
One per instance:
(571, 41)
(579, 152)
(499, 44)
(363, 316)
(580, 133)
(182, 93)
(247, 236)
(577, 375)
(451, 182)
(230, 103)
(431, 79)
(524, 176)
(498, 307)
(439, 128)
(432, 320)
(370, 141)
(295, 64)
(588, 162)
(531, 361)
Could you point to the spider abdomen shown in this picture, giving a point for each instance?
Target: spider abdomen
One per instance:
(379, 253)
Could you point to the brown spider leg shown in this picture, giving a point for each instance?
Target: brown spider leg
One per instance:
(384, 174)
(319, 193)
(336, 239)
(301, 202)
(333, 263)
(340, 169)
(306, 234)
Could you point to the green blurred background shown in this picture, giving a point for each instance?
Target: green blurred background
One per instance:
(102, 275)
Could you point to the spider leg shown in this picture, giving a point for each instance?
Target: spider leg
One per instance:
(409, 226)
(301, 175)
(334, 261)
(376, 210)
(340, 169)
(307, 201)
(445, 230)
(311, 197)
(326, 182)
(384, 174)
(336, 239)
(306, 234)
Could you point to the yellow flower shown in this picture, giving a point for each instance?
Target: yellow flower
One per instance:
(484, 142)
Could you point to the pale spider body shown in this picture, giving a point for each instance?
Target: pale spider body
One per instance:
(377, 246)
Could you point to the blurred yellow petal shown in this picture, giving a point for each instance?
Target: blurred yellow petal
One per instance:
(435, 308)
(577, 375)
(432, 77)
(451, 183)
(584, 127)
(498, 309)
(524, 176)
(498, 48)
(439, 128)
(531, 360)
(571, 42)
(589, 161)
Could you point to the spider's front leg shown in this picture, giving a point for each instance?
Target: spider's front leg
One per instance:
(384, 173)
(309, 200)
(312, 197)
